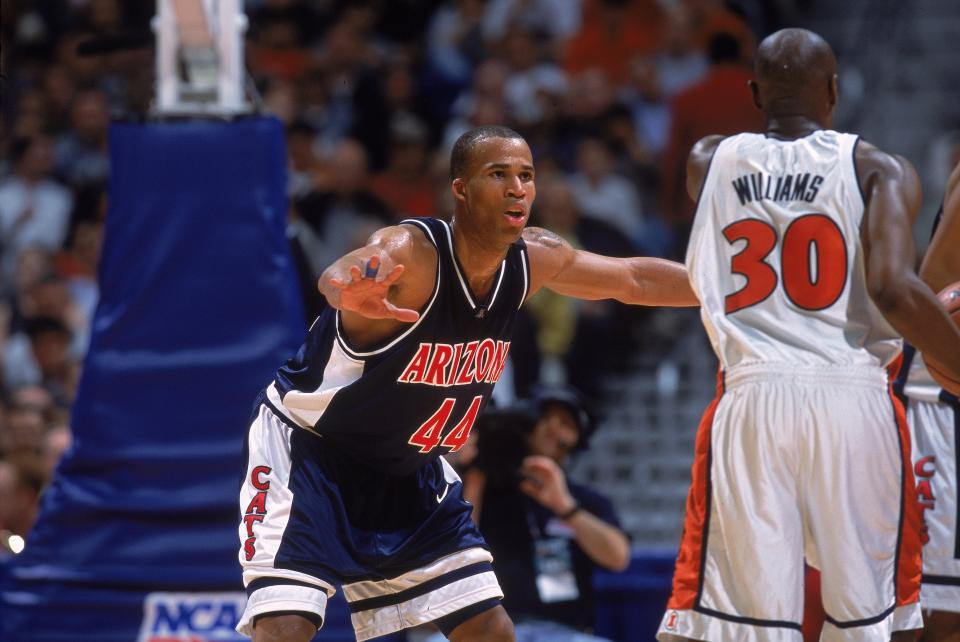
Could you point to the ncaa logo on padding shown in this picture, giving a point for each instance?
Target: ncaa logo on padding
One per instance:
(192, 617)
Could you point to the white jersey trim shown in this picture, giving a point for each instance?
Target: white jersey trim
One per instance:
(463, 282)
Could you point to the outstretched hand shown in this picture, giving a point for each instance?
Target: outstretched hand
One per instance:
(366, 294)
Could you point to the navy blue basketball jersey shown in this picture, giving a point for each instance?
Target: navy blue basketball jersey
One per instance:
(400, 405)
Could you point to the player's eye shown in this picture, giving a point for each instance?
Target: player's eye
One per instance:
(498, 174)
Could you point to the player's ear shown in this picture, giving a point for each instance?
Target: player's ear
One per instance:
(459, 189)
(834, 90)
(755, 92)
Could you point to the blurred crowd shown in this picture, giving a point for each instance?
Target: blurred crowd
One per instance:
(610, 94)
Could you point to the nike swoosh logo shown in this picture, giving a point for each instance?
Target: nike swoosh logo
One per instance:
(440, 497)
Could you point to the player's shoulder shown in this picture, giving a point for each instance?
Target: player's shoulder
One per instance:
(875, 165)
(404, 243)
(870, 158)
(537, 238)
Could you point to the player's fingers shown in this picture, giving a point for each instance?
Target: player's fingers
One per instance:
(395, 273)
(372, 267)
(401, 314)
(338, 283)
(355, 273)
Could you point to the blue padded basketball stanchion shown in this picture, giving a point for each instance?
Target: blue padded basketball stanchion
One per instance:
(137, 536)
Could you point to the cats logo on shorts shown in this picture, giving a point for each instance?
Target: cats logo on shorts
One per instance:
(192, 617)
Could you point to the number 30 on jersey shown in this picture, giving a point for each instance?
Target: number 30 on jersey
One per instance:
(813, 260)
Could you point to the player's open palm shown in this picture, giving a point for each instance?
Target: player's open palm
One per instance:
(365, 293)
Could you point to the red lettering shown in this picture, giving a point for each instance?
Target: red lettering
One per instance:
(250, 520)
(924, 530)
(924, 491)
(465, 375)
(442, 354)
(454, 365)
(484, 359)
(415, 370)
(457, 437)
(499, 361)
(255, 477)
(258, 504)
(248, 549)
(920, 468)
(427, 435)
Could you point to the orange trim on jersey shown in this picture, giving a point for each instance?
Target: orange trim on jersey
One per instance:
(909, 564)
(686, 576)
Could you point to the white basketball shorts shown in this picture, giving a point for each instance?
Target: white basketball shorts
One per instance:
(795, 463)
(935, 433)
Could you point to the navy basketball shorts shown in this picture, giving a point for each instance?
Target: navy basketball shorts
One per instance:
(404, 549)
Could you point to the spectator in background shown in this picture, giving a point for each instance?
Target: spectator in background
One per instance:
(604, 195)
(680, 61)
(302, 161)
(56, 442)
(719, 104)
(643, 96)
(531, 75)
(22, 479)
(405, 185)
(558, 20)
(81, 152)
(34, 207)
(548, 534)
(454, 43)
(341, 210)
(613, 32)
(23, 431)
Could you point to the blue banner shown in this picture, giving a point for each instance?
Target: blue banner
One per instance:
(199, 304)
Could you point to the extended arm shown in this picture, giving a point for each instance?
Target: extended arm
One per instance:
(941, 263)
(891, 190)
(556, 265)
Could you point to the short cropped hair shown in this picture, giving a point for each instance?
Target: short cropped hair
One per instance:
(460, 156)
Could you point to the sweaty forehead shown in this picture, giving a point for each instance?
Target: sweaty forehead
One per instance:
(506, 151)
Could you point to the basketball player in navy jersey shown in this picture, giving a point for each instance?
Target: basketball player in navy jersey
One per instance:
(345, 483)
(802, 256)
(934, 417)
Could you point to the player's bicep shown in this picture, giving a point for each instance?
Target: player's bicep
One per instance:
(892, 200)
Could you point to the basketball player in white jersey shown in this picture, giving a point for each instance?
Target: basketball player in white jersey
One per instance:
(802, 257)
(933, 415)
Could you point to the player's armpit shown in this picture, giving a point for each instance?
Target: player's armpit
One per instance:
(699, 162)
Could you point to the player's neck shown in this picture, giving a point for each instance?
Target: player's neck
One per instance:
(479, 258)
(789, 127)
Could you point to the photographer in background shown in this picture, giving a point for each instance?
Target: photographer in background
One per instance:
(547, 534)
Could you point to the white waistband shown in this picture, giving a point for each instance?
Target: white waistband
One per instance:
(821, 375)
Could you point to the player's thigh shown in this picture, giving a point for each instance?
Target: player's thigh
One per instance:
(863, 530)
(754, 557)
(492, 625)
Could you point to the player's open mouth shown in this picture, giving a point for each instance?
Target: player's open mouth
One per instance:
(515, 215)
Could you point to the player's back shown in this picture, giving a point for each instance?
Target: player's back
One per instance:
(775, 255)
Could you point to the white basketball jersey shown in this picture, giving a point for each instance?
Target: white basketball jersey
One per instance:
(776, 259)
